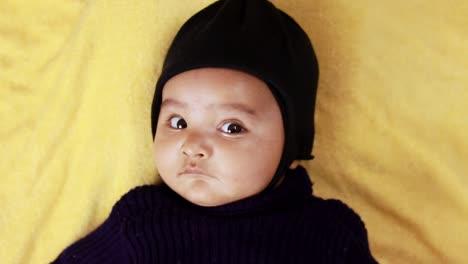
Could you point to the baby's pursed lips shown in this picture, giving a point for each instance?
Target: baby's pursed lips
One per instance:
(192, 171)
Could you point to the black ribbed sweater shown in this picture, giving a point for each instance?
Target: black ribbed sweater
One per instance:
(152, 224)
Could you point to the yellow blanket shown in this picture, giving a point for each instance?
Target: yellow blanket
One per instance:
(76, 84)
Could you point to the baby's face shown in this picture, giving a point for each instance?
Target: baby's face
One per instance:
(219, 137)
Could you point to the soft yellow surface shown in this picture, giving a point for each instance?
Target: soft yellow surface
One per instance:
(76, 84)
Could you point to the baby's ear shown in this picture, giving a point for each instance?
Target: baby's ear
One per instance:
(294, 164)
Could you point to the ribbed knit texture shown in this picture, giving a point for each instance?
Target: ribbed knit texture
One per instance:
(152, 224)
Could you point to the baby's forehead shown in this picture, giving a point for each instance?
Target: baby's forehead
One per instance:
(217, 86)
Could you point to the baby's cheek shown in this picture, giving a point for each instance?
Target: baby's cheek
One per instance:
(161, 155)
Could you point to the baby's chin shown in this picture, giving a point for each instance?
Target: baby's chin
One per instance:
(203, 194)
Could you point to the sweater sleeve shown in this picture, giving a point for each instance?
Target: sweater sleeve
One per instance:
(357, 243)
(358, 246)
(106, 244)
(359, 252)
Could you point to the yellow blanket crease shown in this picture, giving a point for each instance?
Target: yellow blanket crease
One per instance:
(76, 85)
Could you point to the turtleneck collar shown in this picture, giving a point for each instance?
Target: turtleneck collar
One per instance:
(295, 187)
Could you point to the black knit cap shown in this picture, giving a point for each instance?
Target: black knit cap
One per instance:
(255, 37)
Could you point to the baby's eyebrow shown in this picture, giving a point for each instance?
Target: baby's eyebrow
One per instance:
(172, 102)
(237, 107)
(225, 106)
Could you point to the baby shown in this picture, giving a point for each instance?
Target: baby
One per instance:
(232, 116)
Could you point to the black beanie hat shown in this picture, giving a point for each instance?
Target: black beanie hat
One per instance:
(255, 37)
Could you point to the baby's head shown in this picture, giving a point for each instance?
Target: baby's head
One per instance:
(233, 107)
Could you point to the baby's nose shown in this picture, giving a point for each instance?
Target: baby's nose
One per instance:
(196, 146)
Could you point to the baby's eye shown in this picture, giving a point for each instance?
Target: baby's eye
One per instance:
(177, 122)
(232, 128)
